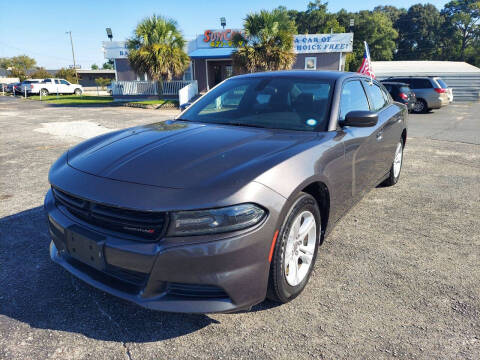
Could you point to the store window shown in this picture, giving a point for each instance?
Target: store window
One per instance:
(228, 71)
(188, 74)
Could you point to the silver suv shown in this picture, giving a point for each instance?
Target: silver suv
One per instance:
(430, 94)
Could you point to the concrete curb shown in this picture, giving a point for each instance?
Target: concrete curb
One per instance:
(168, 106)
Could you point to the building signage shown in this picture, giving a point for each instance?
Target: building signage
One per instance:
(217, 38)
(115, 49)
(323, 43)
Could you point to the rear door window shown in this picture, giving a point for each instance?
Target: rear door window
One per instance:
(377, 97)
(353, 98)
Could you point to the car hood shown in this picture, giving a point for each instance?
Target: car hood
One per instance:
(179, 154)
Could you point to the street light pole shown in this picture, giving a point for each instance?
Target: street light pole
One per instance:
(73, 55)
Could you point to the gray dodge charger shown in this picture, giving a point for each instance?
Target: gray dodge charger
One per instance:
(228, 203)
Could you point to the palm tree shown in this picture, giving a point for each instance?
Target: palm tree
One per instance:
(157, 49)
(267, 42)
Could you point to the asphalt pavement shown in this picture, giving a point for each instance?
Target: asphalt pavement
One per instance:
(399, 276)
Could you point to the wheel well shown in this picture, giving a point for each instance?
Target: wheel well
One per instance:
(321, 194)
(404, 137)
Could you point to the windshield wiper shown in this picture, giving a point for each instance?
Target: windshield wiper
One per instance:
(243, 124)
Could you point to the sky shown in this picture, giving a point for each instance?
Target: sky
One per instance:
(37, 28)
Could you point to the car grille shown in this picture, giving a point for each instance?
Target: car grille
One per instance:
(197, 291)
(142, 224)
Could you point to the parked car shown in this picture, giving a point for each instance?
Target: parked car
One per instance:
(55, 86)
(10, 87)
(428, 92)
(402, 93)
(444, 85)
(26, 84)
(227, 204)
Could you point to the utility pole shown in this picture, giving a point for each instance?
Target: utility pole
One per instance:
(73, 55)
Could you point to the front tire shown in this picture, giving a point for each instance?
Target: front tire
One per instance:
(396, 168)
(295, 250)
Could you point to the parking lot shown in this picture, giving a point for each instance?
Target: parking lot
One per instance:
(398, 277)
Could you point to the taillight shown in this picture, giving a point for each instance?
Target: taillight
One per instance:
(440, 90)
(31, 86)
(404, 96)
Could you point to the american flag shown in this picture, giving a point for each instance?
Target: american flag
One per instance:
(366, 67)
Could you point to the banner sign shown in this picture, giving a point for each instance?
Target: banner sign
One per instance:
(323, 43)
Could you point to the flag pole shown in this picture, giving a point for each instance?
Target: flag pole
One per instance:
(367, 50)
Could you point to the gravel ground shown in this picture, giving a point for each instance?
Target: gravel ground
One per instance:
(399, 277)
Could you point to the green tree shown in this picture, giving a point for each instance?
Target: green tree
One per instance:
(108, 65)
(420, 33)
(94, 67)
(267, 43)
(40, 73)
(391, 11)
(463, 16)
(316, 19)
(157, 48)
(18, 66)
(377, 30)
(67, 74)
(102, 82)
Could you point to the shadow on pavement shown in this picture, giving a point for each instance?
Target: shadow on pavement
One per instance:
(40, 293)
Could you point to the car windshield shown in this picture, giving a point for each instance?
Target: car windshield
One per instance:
(405, 89)
(442, 83)
(279, 103)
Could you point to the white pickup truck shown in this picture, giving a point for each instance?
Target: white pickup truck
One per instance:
(54, 86)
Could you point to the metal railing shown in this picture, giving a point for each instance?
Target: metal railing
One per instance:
(148, 88)
(143, 88)
(174, 86)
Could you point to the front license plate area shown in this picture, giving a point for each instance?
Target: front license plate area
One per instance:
(86, 247)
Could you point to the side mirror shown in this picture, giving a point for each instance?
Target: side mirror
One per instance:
(185, 105)
(360, 119)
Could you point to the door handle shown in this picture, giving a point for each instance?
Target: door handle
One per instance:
(379, 135)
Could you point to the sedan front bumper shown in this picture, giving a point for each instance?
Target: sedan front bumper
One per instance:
(222, 273)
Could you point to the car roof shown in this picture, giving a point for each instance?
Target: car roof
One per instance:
(395, 83)
(309, 74)
(410, 77)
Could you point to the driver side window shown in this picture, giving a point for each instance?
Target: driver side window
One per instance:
(353, 98)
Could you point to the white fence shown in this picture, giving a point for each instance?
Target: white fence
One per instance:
(149, 88)
(188, 92)
(145, 88)
(173, 87)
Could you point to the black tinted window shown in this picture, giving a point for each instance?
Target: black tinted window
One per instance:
(353, 98)
(280, 103)
(376, 96)
(420, 84)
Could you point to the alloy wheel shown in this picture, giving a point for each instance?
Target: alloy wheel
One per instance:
(397, 160)
(419, 106)
(300, 248)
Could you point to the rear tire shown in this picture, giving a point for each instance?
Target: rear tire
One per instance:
(77, 92)
(44, 92)
(396, 168)
(295, 250)
(420, 106)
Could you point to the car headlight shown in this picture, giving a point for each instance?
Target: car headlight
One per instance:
(201, 222)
